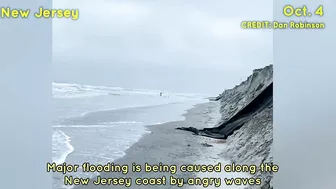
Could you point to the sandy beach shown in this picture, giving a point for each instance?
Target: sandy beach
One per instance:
(235, 130)
(164, 144)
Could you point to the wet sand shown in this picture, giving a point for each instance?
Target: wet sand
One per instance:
(164, 144)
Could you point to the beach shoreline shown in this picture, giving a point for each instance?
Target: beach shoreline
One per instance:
(250, 144)
(164, 144)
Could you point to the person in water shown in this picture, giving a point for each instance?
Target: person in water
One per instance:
(160, 94)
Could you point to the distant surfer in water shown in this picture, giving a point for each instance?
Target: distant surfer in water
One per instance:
(160, 94)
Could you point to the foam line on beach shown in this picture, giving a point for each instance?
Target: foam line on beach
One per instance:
(65, 140)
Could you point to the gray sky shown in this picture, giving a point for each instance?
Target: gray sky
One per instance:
(176, 45)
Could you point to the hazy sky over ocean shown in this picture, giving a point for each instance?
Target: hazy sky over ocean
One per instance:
(176, 45)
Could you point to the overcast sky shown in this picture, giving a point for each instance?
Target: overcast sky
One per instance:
(176, 45)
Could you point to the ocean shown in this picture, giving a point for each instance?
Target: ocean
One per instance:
(97, 124)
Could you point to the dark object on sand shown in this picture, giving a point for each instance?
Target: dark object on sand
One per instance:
(207, 145)
(191, 129)
(258, 104)
(215, 98)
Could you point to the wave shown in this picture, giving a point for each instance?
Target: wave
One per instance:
(102, 125)
(62, 143)
(73, 90)
(61, 146)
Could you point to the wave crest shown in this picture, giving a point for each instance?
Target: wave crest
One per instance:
(73, 90)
